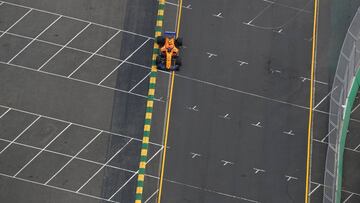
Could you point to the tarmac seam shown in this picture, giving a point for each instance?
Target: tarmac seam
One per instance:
(149, 105)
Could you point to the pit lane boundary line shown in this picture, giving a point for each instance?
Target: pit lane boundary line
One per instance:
(311, 103)
(149, 105)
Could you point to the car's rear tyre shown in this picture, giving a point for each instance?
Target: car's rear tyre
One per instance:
(160, 40)
(178, 42)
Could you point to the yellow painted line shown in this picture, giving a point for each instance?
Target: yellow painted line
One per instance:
(148, 115)
(311, 105)
(166, 138)
(146, 140)
(161, 180)
(147, 127)
(179, 18)
(160, 12)
(141, 177)
(153, 80)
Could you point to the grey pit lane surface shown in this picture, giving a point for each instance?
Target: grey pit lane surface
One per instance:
(238, 130)
(80, 99)
(73, 94)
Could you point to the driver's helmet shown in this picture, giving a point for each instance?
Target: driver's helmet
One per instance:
(170, 44)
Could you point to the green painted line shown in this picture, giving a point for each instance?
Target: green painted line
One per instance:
(145, 146)
(147, 121)
(160, 18)
(141, 171)
(348, 107)
(152, 85)
(143, 158)
(140, 184)
(161, 6)
(158, 28)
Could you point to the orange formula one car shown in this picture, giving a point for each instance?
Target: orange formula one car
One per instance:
(168, 58)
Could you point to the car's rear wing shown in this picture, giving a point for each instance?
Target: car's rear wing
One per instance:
(170, 34)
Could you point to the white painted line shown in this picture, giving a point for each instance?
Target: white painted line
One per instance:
(16, 22)
(219, 15)
(355, 108)
(37, 148)
(72, 158)
(135, 173)
(312, 191)
(325, 97)
(77, 49)
(287, 6)
(353, 193)
(193, 108)
(107, 163)
(79, 80)
(289, 132)
(356, 148)
(347, 198)
(347, 191)
(84, 51)
(323, 140)
(288, 178)
(139, 65)
(151, 196)
(259, 14)
(107, 41)
(124, 61)
(227, 162)
(147, 75)
(188, 6)
(58, 188)
(211, 54)
(1, 3)
(161, 148)
(353, 150)
(2, 115)
(177, 5)
(207, 190)
(258, 124)
(77, 124)
(242, 62)
(279, 31)
(34, 39)
(257, 170)
(32, 123)
(46, 62)
(194, 155)
(242, 92)
(303, 79)
(274, 71)
(78, 19)
(123, 186)
(226, 116)
(17, 173)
